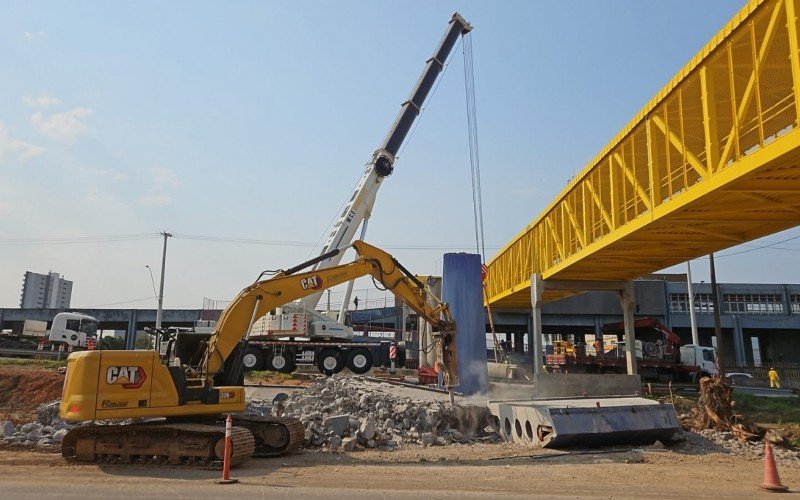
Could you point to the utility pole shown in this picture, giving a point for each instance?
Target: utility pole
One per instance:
(717, 322)
(692, 317)
(160, 310)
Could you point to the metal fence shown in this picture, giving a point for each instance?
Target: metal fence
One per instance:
(787, 371)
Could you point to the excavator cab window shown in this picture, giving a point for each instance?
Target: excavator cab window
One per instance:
(191, 347)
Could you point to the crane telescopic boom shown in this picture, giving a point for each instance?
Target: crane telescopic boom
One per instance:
(381, 165)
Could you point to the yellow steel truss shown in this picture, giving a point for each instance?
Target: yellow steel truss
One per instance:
(710, 162)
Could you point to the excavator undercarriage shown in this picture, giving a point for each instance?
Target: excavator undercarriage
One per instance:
(184, 443)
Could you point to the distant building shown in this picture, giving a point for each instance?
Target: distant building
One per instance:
(45, 291)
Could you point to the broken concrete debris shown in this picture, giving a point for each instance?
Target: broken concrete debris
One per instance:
(47, 432)
(351, 413)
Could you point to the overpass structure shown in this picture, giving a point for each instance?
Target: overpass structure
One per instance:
(710, 162)
(129, 320)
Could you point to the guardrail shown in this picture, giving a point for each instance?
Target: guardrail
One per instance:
(57, 355)
(760, 372)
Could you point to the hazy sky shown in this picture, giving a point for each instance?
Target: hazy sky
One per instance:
(253, 120)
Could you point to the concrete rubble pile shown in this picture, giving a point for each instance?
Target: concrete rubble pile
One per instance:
(349, 413)
(48, 431)
(712, 441)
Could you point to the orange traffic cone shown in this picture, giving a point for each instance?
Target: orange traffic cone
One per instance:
(772, 482)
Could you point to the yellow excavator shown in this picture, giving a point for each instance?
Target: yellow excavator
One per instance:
(180, 398)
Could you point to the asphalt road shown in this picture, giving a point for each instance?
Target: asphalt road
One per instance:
(766, 392)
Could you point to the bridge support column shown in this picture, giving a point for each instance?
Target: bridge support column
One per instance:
(738, 341)
(627, 299)
(130, 335)
(537, 292)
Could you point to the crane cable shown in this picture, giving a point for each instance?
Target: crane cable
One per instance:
(475, 174)
(474, 157)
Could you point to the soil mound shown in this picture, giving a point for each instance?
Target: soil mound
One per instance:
(23, 389)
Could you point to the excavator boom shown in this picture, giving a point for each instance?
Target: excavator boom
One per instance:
(263, 296)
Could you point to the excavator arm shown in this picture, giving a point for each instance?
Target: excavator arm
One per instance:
(263, 296)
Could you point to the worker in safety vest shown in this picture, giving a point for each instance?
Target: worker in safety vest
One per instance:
(774, 378)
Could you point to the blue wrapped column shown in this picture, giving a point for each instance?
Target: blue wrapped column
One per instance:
(462, 290)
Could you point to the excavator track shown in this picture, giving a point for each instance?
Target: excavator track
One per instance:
(159, 443)
(274, 436)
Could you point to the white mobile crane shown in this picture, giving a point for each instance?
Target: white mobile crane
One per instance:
(279, 331)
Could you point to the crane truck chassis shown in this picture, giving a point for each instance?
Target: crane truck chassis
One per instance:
(188, 390)
(328, 356)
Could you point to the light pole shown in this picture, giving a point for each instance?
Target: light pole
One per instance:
(160, 310)
(717, 321)
(692, 317)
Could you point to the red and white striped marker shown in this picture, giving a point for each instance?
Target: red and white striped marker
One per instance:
(226, 463)
(393, 352)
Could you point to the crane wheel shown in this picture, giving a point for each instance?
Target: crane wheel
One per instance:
(281, 361)
(253, 359)
(359, 360)
(330, 361)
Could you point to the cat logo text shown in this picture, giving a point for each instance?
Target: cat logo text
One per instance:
(129, 377)
(312, 282)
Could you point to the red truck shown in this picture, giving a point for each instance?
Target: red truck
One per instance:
(659, 355)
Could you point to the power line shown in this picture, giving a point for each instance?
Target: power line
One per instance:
(68, 240)
(759, 247)
(252, 241)
(117, 303)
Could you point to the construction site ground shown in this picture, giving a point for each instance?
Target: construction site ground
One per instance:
(693, 469)
(435, 472)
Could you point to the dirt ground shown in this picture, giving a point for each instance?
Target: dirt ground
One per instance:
(24, 388)
(453, 471)
(474, 471)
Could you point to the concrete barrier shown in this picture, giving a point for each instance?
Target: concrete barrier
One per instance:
(568, 385)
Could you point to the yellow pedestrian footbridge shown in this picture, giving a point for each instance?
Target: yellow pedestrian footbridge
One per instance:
(712, 161)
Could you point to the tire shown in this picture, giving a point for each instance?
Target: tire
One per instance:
(253, 359)
(330, 361)
(401, 355)
(359, 360)
(281, 361)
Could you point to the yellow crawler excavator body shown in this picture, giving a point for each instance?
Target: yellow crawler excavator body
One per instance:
(193, 394)
(132, 384)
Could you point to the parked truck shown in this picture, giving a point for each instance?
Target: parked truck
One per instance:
(659, 355)
(68, 331)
